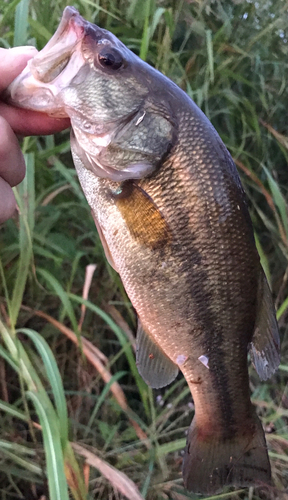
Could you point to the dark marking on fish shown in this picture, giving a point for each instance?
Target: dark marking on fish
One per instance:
(198, 381)
(248, 466)
(198, 287)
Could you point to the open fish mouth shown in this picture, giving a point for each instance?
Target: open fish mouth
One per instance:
(38, 86)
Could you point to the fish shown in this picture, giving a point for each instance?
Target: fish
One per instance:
(173, 219)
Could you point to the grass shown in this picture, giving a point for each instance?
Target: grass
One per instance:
(76, 420)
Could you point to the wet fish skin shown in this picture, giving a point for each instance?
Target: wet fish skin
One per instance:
(173, 217)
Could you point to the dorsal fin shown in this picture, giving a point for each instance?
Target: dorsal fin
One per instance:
(265, 345)
(153, 365)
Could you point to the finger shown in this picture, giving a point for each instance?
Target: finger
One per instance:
(26, 122)
(7, 201)
(12, 165)
(13, 61)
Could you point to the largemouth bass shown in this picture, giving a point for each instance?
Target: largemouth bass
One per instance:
(173, 219)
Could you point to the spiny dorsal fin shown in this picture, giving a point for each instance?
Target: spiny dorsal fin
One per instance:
(265, 345)
(153, 365)
(143, 218)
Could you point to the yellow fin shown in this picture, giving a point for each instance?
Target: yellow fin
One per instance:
(143, 218)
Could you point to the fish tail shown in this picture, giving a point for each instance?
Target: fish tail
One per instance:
(212, 460)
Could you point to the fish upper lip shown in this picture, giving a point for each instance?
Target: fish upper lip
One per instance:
(70, 17)
(69, 33)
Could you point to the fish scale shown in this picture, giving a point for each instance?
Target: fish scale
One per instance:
(173, 219)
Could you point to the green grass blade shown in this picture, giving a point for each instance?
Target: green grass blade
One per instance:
(27, 464)
(10, 470)
(7, 10)
(210, 55)
(16, 448)
(147, 481)
(282, 309)
(101, 9)
(25, 196)
(54, 379)
(13, 411)
(115, 328)
(40, 30)
(156, 20)
(74, 474)
(21, 23)
(279, 200)
(5, 355)
(124, 343)
(18, 355)
(70, 175)
(4, 285)
(146, 32)
(101, 399)
(57, 483)
(63, 296)
(263, 259)
(278, 456)
(166, 448)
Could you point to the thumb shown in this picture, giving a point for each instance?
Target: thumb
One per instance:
(12, 62)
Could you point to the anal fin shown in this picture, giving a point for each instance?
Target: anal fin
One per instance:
(153, 365)
(265, 345)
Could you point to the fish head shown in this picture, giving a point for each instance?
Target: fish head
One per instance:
(84, 68)
(86, 73)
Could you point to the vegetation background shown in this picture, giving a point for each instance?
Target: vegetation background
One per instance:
(70, 416)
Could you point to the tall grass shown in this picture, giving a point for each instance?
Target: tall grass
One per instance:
(76, 419)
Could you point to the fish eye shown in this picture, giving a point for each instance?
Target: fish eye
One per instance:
(110, 58)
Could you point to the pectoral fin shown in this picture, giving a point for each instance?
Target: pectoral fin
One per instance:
(143, 218)
(265, 345)
(153, 365)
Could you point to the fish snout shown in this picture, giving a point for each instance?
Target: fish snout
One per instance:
(52, 69)
(55, 56)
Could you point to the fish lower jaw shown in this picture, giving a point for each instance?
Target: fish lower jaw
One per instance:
(30, 92)
(26, 92)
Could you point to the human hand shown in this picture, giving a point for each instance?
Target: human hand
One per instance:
(17, 121)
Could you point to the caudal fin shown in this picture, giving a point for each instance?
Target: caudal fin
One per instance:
(212, 462)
